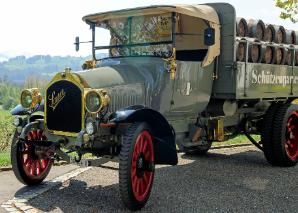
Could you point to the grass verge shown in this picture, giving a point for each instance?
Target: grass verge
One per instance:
(240, 139)
(5, 159)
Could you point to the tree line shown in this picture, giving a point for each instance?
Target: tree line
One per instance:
(20, 72)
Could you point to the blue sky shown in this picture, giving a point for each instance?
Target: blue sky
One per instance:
(33, 27)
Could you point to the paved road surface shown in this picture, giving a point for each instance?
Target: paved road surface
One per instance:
(9, 184)
(233, 179)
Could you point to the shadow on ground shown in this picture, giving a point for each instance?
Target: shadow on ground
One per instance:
(215, 182)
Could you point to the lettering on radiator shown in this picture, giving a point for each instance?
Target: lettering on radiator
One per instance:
(266, 77)
(56, 98)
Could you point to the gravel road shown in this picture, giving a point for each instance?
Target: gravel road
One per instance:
(233, 179)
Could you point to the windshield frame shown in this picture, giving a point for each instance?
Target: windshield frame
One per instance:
(95, 48)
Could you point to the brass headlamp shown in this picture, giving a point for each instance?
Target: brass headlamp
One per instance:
(95, 100)
(30, 98)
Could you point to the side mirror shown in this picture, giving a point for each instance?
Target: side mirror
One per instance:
(209, 36)
(77, 43)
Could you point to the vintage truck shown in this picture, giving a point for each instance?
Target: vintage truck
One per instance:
(171, 80)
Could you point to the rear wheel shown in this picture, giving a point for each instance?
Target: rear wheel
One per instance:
(285, 135)
(136, 166)
(266, 134)
(29, 168)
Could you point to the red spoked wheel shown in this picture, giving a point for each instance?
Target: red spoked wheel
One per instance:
(30, 168)
(136, 166)
(285, 135)
(291, 145)
(141, 173)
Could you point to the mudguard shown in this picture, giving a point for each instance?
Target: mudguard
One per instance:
(164, 135)
(19, 110)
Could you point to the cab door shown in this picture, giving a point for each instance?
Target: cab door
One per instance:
(192, 88)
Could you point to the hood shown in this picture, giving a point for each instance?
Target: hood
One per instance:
(128, 81)
(124, 71)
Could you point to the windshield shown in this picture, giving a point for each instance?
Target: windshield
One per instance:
(149, 35)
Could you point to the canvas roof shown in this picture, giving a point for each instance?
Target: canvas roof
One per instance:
(196, 10)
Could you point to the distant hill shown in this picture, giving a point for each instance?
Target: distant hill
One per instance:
(16, 70)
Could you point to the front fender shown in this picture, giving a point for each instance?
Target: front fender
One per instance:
(38, 111)
(164, 135)
(19, 110)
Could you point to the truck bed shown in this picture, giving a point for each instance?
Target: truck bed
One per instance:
(265, 81)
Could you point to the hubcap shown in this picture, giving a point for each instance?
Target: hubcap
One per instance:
(33, 166)
(291, 145)
(142, 166)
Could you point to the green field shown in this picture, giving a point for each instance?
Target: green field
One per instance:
(4, 159)
(237, 140)
(6, 130)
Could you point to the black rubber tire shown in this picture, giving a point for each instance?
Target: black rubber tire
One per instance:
(279, 135)
(125, 161)
(266, 134)
(18, 168)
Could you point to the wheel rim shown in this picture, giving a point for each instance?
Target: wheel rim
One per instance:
(142, 169)
(33, 166)
(291, 145)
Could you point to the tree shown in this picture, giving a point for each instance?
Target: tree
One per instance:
(290, 9)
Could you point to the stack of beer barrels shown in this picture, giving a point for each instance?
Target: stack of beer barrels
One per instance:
(265, 43)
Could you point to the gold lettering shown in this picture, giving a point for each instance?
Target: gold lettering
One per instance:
(55, 99)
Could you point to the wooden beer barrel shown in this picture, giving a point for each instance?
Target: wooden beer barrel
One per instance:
(269, 33)
(280, 35)
(240, 51)
(241, 27)
(290, 54)
(279, 55)
(255, 51)
(256, 29)
(267, 54)
(290, 37)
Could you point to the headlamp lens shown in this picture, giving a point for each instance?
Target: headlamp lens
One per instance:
(93, 102)
(26, 99)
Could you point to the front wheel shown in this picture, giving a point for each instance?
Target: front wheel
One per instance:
(29, 168)
(136, 166)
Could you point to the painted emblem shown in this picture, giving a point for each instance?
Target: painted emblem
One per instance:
(55, 98)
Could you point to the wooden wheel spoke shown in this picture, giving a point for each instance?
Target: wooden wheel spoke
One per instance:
(138, 186)
(141, 144)
(145, 177)
(32, 168)
(37, 168)
(28, 164)
(142, 186)
(134, 183)
(25, 159)
(289, 143)
(145, 147)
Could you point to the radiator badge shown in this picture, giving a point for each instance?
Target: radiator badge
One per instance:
(56, 98)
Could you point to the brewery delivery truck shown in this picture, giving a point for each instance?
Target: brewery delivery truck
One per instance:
(174, 77)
